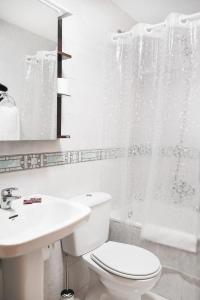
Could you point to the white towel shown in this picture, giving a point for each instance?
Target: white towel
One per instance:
(170, 237)
(9, 123)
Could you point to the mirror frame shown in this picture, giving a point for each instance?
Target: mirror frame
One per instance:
(60, 57)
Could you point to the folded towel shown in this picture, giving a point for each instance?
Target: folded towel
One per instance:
(9, 123)
(170, 237)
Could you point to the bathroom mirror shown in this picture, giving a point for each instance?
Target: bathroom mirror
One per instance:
(28, 70)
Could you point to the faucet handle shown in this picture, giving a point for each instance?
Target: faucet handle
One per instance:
(8, 191)
(7, 197)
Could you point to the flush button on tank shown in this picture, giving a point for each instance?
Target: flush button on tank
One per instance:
(88, 195)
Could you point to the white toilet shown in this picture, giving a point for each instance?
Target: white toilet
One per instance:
(125, 272)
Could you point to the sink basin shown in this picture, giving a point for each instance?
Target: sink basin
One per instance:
(39, 224)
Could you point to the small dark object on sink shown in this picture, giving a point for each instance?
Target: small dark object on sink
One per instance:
(14, 216)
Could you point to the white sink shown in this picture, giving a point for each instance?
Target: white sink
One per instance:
(23, 237)
(38, 224)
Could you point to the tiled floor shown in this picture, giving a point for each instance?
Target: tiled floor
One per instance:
(152, 296)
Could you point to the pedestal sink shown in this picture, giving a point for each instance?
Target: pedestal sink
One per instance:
(24, 231)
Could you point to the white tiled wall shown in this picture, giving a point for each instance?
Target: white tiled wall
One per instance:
(87, 37)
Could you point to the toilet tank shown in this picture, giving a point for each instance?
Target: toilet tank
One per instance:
(95, 231)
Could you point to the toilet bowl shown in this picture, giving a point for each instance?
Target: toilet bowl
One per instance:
(123, 272)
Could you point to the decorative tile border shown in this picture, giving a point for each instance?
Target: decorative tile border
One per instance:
(21, 162)
(176, 152)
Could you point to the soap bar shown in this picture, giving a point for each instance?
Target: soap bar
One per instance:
(36, 200)
(28, 201)
(33, 200)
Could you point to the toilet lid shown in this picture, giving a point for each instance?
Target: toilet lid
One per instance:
(127, 260)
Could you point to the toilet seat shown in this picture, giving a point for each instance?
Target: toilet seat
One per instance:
(126, 261)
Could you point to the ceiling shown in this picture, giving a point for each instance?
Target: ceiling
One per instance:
(154, 11)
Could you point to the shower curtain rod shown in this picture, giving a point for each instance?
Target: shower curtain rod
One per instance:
(149, 28)
(186, 18)
(117, 35)
(192, 17)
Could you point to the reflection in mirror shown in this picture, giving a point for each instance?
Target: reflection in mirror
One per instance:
(28, 70)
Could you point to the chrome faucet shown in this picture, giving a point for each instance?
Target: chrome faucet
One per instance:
(7, 197)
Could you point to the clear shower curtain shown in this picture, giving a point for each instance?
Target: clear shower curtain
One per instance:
(159, 85)
(39, 104)
(172, 197)
(138, 57)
